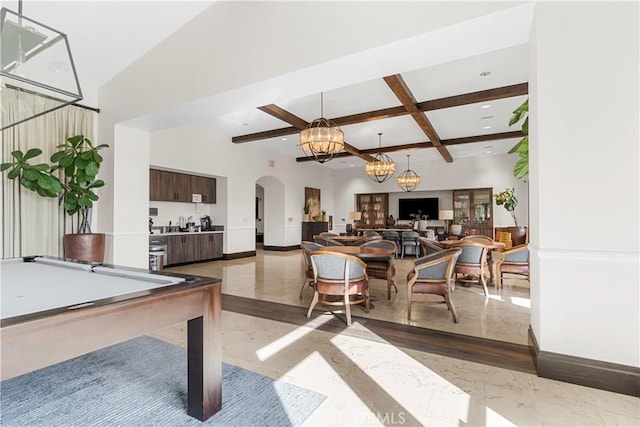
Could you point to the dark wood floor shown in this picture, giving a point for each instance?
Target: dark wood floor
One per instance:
(481, 350)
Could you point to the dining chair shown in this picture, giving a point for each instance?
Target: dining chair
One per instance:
(326, 241)
(513, 261)
(366, 239)
(428, 246)
(339, 275)
(328, 234)
(383, 267)
(307, 249)
(394, 236)
(432, 275)
(472, 262)
(478, 238)
(410, 239)
(370, 233)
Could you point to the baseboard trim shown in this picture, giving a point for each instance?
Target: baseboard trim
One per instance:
(613, 377)
(281, 248)
(237, 255)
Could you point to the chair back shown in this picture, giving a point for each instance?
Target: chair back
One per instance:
(429, 246)
(326, 241)
(394, 236)
(328, 234)
(472, 252)
(410, 236)
(478, 238)
(336, 267)
(370, 233)
(517, 255)
(437, 266)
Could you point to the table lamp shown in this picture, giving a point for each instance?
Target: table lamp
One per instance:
(446, 216)
(353, 216)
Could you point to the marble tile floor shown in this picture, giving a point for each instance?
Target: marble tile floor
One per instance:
(371, 382)
(278, 276)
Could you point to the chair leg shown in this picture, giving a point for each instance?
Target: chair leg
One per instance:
(347, 309)
(452, 309)
(306, 283)
(367, 299)
(483, 281)
(409, 305)
(314, 301)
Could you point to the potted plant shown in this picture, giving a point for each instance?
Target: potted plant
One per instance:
(521, 148)
(456, 226)
(307, 210)
(508, 200)
(71, 176)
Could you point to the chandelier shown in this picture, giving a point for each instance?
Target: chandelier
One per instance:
(37, 72)
(322, 138)
(408, 180)
(381, 168)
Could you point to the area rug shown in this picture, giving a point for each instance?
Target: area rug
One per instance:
(143, 382)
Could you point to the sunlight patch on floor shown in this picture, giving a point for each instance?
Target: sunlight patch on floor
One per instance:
(275, 346)
(522, 302)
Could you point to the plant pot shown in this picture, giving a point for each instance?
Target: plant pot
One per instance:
(84, 247)
(422, 225)
(455, 229)
(305, 218)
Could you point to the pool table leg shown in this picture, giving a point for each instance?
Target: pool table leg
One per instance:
(204, 341)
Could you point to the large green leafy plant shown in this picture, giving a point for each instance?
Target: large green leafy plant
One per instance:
(521, 167)
(71, 175)
(507, 199)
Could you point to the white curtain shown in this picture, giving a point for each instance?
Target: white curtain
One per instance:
(31, 224)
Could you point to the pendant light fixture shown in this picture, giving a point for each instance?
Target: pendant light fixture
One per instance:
(37, 72)
(408, 180)
(322, 139)
(381, 168)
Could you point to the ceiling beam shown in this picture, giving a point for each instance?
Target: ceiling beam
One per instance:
(300, 124)
(398, 86)
(428, 144)
(386, 113)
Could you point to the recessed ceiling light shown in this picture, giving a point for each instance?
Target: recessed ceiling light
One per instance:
(352, 165)
(485, 73)
(488, 152)
(284, 139)
(486, 127)
(486, 117)
(485, 106)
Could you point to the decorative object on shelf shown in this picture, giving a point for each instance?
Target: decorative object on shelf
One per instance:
(391, 221)
(408, 180)
(507, 199)
(37, 74)
(77, 162)
(419, 220)
(446, 216)
(322, 138)
(381, 168)
(323, 215)
(521, 148)
(306, 209)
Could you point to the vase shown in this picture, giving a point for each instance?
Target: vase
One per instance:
(455, 229)
(84, 246)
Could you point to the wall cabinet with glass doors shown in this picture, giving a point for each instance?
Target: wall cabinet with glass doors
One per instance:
(374, 208)
(473, 209)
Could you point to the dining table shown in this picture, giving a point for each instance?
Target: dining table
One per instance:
(347, 240)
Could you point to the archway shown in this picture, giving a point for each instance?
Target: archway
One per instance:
(270, 210)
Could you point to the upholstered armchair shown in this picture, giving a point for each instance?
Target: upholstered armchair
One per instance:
(428, 246)
(339, 275)
(383, 267)
(327, 241)
(513, 261)
(472, 262)
(432, 275)
(307, 249)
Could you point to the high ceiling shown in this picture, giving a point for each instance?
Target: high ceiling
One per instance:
(124, 31)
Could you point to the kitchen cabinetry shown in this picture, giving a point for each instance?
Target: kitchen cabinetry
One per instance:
(374, 208)
(167, 186)
(473, 209)
(310, 229)
(193, 247)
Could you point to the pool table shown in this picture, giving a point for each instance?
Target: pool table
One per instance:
(54, 310)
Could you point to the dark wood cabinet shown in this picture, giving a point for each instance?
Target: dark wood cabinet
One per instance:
(310, 229)
(473, 209)
(193, 247)
(167, 186)
(374, 208)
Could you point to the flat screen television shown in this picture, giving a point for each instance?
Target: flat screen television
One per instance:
(428, 206)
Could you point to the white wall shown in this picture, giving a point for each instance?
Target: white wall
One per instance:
(584, 180)
(435, 177)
